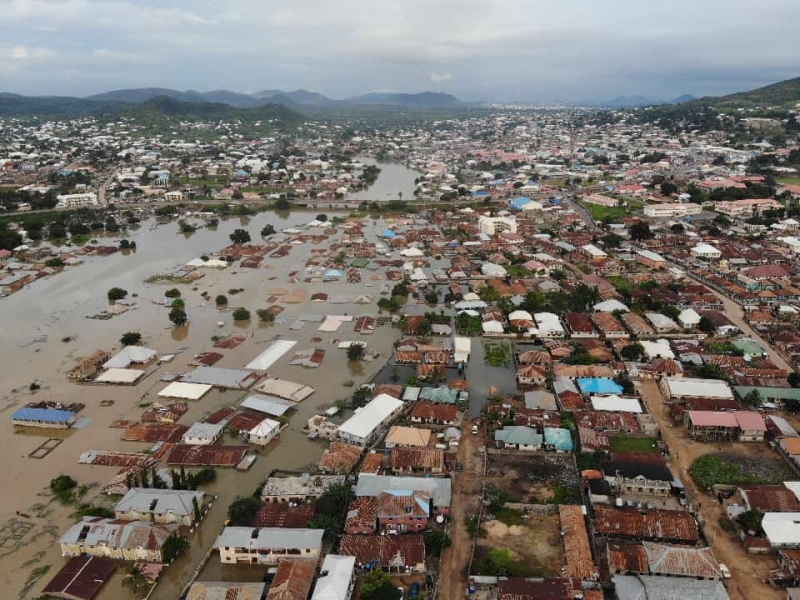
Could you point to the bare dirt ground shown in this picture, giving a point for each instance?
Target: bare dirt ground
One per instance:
(536, 546)
(748, 572)
(466, 501)
(533, 478)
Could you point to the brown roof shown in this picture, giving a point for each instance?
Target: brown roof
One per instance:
(293, 580)
(340, 457)
(577, 549)
(154, 432)
(536, 357)
(672, 525)
(281, 514)
(627, 557)
(362, 514)
(428, 459)
(207, 456)
(426, 410)
(245, 419)
(81, 578)
(415, 504)
(517, 588)
(607, 323)
(593, 440)
(681, 561)
(770, 498)
(388, 550)
(579, 323)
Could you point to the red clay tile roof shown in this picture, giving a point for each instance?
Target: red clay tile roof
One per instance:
(627, 557)
(293, 580)
(659, 525)
(577, 549)
(81, 578)
(281, 514)
(388, 550)
(340, 457)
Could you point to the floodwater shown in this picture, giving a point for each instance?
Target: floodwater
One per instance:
(37, 319)
(394, 180)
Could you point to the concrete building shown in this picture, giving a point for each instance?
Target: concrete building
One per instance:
(364, 426)
(267, 545)
(494, 225)
(77, 200)
(159, 506)
(672, 210)
(121, 540)
(336, 578)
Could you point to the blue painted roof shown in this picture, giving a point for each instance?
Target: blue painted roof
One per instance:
(481, 193)
(388, 233)
(334, 273)
(599, 385)
(47, 415)
(558, 437)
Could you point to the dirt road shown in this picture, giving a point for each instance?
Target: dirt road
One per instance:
(748, 571)
(466, 501)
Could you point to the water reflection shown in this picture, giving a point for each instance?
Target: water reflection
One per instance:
(356, 367)
(180, 333)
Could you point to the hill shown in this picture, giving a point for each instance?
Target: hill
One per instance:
(298, 97)
(139, 95)
(165, 107)
(14, 105)
(777, 94)
(629, 102)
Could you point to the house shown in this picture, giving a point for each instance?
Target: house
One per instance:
(548, 325)
(81, 578)
(432, 413)
(203, 434)
(518, 588)
(299, 488)
(417, 460)
(268, 545)
(403, 511)
(44, 418)
(669, 526)
(722, 324)
(438, 488)
(710, 425)
(398, 553)
(518, 437)
(365, 424)
(263, 433)
(336, 578)
(639, 587)
(407, 437)
(112, 538)
(580, 326)
(292, 580)
(706, 252)
(768, 498)
(159, 506)
(639, 473)
(782, 529)
(213, 590)
(677, 389)
(577, 549)
(652, 558)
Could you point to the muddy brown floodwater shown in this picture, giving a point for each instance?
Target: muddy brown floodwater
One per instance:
(37, 319)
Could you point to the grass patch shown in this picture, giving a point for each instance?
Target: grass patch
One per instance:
(498, 354)
(788, 180)
(729, 469)
(36, 575)
(612, 213)
(509, 516)
(517, 271)
(629, 444)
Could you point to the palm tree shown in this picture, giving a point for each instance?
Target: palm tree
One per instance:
(135, 580)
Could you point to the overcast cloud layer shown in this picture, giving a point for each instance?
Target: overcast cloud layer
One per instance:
(534, 50)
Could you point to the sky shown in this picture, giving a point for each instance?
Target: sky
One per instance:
(503, 50)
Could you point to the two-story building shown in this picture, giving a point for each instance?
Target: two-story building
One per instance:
(159, 506)
(112, 538)
(267, 545)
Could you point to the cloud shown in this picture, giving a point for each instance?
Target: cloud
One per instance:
(440, 77)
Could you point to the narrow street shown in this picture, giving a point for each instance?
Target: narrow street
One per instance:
(467, 486)
(748, 571)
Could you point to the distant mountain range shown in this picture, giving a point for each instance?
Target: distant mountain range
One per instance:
(639, 101)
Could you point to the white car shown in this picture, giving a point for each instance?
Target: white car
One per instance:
(726, 572)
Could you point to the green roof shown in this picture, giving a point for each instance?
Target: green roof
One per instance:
(360, 263)
(769, 393)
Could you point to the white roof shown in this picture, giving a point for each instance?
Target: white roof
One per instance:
(658, 348)
(615, 403)
(661, 321)
(689, 316)
(412, 252)
(128, 355)
(265, 428)
(782, 529)
(269, 537)
(702, 388)
(610, 306)
(520, 315)
(594, 251)
(285, 389)
(492, 327)
(268, 357)
(185, 391)
(270, 405)
(548, 322)
(119, 376)
(371, 416)
(203, 431)
(462, 344)
(335, 584)
(650, 255)
(704, 248)
(493, 270)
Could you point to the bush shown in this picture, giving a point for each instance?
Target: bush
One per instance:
(240, 236)
(221, 300)
(436, 541)
(173, 293)
(242, 512)
(130, 338)
(268, 230)
(116, 293)
(241, 314)
(265, 316)
(355, 352)
(178, 317)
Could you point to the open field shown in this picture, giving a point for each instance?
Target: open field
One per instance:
(726, 468)
(534, 478)
(631, 444)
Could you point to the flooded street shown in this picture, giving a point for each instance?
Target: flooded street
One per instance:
(38, 318)
(395, 182)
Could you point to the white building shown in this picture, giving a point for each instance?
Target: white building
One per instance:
(267, 545)
(76, 200)
(672, 210)
(263, 433)
(362, 427)
(689, 317)
(782, 529)
(493, 225)
(335, 581)
(675, 389)
(160, 506)
(202, 434)
(549, 325)
(706, 251)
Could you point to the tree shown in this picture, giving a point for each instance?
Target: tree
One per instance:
(329, 523)
(178, 317)
(753, 398)
(196, 509)
(172, 293)
(322, 218)
(240, 236)
(130, 338)
(360, 397)
(705, 324)
(62, 484)
(269, 229)
(265, 316)
(241, 314)
(668, 188)
(641, 231)
(282, 204)
(54, 263)
(355, 352)
(677, 229)
(221, 300)
(173, 547)
(116, 293)
(135, 580)
(436, 541)
(242, 512)
(791, 405)
(612, 240)
(373, 581)
(624, 381)
(794, 379)
(431, 297)
(178, 303)
(632, 351)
